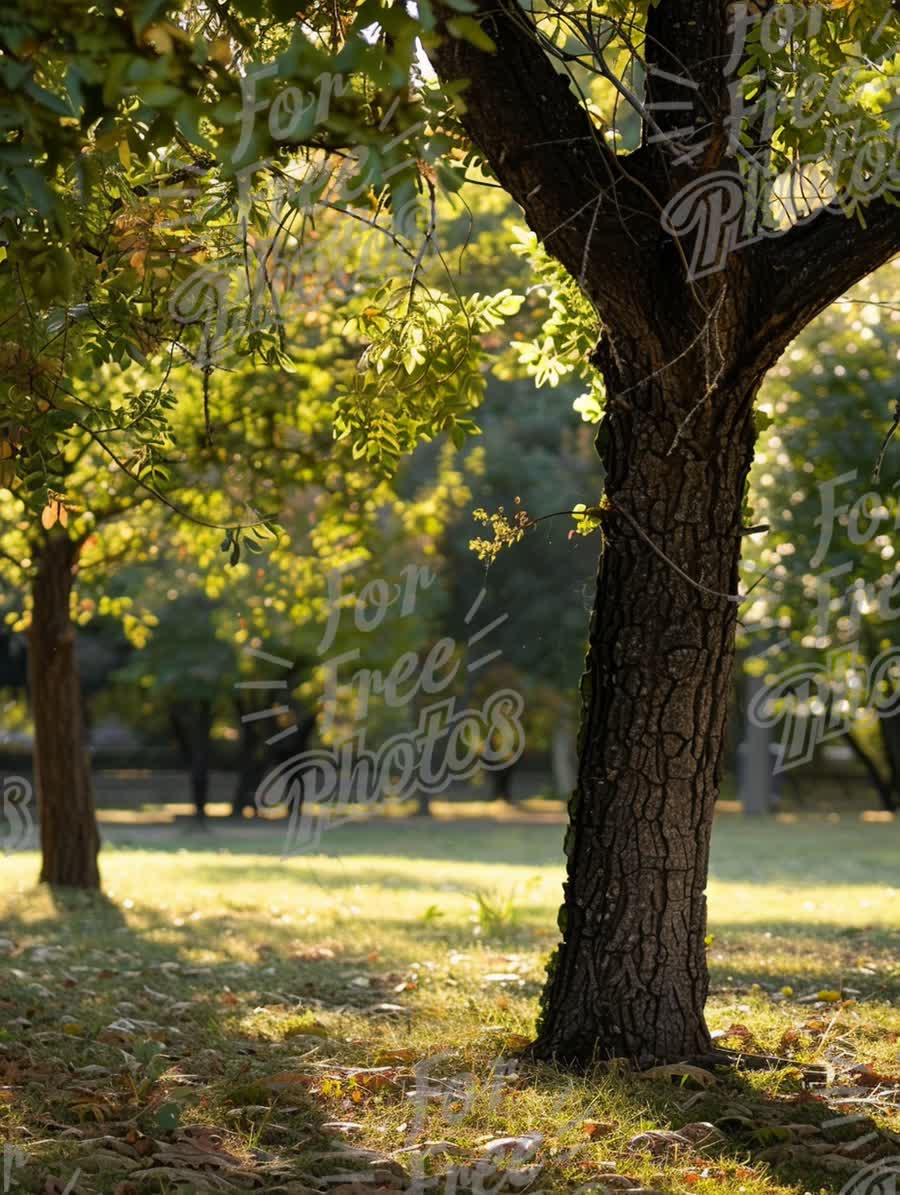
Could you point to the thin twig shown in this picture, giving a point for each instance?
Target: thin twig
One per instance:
(730, 597)
(876, 472)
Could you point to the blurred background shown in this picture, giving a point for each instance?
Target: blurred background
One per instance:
(181, 646)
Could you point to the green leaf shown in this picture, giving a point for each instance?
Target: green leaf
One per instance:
(469, 30)
(168, 1117)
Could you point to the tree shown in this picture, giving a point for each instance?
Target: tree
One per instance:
(724, 140)
(682, 359)
(97, 454)
(40, 561)
(79, 453)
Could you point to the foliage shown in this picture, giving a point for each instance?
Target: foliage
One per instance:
(826, 566)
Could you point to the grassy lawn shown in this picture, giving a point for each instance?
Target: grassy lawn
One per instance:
(349, 1020)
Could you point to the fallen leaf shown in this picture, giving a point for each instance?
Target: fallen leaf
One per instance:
(866, 1075)
(701, 1133)
(313, 954)
(395, 1057)
(518, 1041)
(596, 1128)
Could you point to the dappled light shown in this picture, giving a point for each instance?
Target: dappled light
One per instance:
(449, 512)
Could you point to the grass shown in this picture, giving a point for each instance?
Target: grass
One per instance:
(230, 1020)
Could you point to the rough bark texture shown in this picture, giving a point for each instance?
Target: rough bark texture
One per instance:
(682, 361)
(630, 978)
(69, 838)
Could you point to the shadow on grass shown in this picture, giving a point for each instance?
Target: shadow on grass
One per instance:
(473, 841)
(748, 1126)
(138, 963)
(90, 992)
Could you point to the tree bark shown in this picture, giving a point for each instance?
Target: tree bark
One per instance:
(423, 804)
(502, 784)
(258, 758)
(889, 727)
(630, 977)
(253, 763)
(69, 838)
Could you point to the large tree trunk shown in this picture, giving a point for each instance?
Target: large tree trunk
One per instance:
(69, 838)
(630, 978)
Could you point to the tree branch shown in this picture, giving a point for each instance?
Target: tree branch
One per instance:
(799, 274)
(540, 141)
(688, 45)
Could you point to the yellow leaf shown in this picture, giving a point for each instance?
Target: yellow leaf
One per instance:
(125, 153)
(159, 37)
(220, 51)
(395, 1057)
(49, 515)
(518, 1041)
